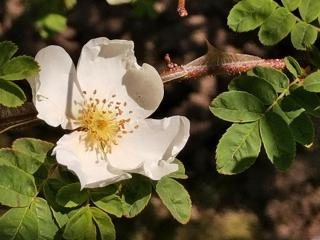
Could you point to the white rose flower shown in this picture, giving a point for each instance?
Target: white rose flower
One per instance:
(106, 102)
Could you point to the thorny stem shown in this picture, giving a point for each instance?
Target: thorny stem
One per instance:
(19, 124)
(182, 8)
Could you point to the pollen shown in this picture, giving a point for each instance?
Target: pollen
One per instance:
(103, 121)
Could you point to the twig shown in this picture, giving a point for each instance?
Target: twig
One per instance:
(182, 8)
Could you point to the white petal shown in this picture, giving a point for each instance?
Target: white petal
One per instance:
(55, 87)
(110, 68)
(150, 148)
(90, 166)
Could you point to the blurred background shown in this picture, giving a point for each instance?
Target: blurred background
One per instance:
(261, 203)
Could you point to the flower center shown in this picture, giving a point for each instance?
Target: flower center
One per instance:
(103, 122)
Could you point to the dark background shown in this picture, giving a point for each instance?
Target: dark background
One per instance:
(261, 203)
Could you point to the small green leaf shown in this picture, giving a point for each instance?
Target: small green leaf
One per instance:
(256, 86)
(17, 188)
(247, 15)
(181, 173)
(107, 200)
(80, 226)
(10, 94)
(136, 195)
(277, 140)
(303, 36)
(70, 196)
(237, 106)
(19, 224)
(46, 225)
(293, 66)
(308, 100)
(276, 27)
(238, 148)
(18, 68)
(26, 153)
(175, 197)
(50, 189)
(309, 10)
(291, 5)
(291, 109)
(276, 78)
(312, 82)
(52, 22)
(70, 3)
(7, 50)
(104, 224)
(303, 130)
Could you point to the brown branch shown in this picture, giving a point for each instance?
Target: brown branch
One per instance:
(182, 8)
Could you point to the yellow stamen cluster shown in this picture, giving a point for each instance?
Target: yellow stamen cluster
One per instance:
(103, 121)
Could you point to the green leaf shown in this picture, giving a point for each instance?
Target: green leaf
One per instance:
(107, 200)
(277, 140)
(50, 189)
(276, 27)
(293, 66)
(238, 148)
(7, 50)
(27, 154)
(303, 36)
(104, 224)
(276, 78)
(70, 196)
(18, 68)
(17, 188)
(237, 106)
(303, 130)
(291, 109)
(309, 10)
(10, 94)
(181, 173)
(35, 148)
(19, 224)
(312, 82)
(46, 225)
(136, 195)
(51, 23)
(291, 5)
(70, 3)
(247, 15)
(256, 86)
(80, 226)
(175, 197)
(308, 100)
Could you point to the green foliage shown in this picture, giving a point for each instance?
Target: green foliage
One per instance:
(303, 36)
(17, 68)
(247, 15)
(237, 106)
(50, 24)
(136, 195)
(276, 21)
(238, 148)
(284, 119)
(56, 207)
(175, 198)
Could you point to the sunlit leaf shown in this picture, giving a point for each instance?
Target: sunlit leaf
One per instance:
(175, 197)
(10, 94)
(312, 82)
(18, 68)
(238, 148)
(7, 50)
(104, 224)
(17, 188)
(247, 15)
(303, 35)
(237, 106)
(309, 10)
(276, 27)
